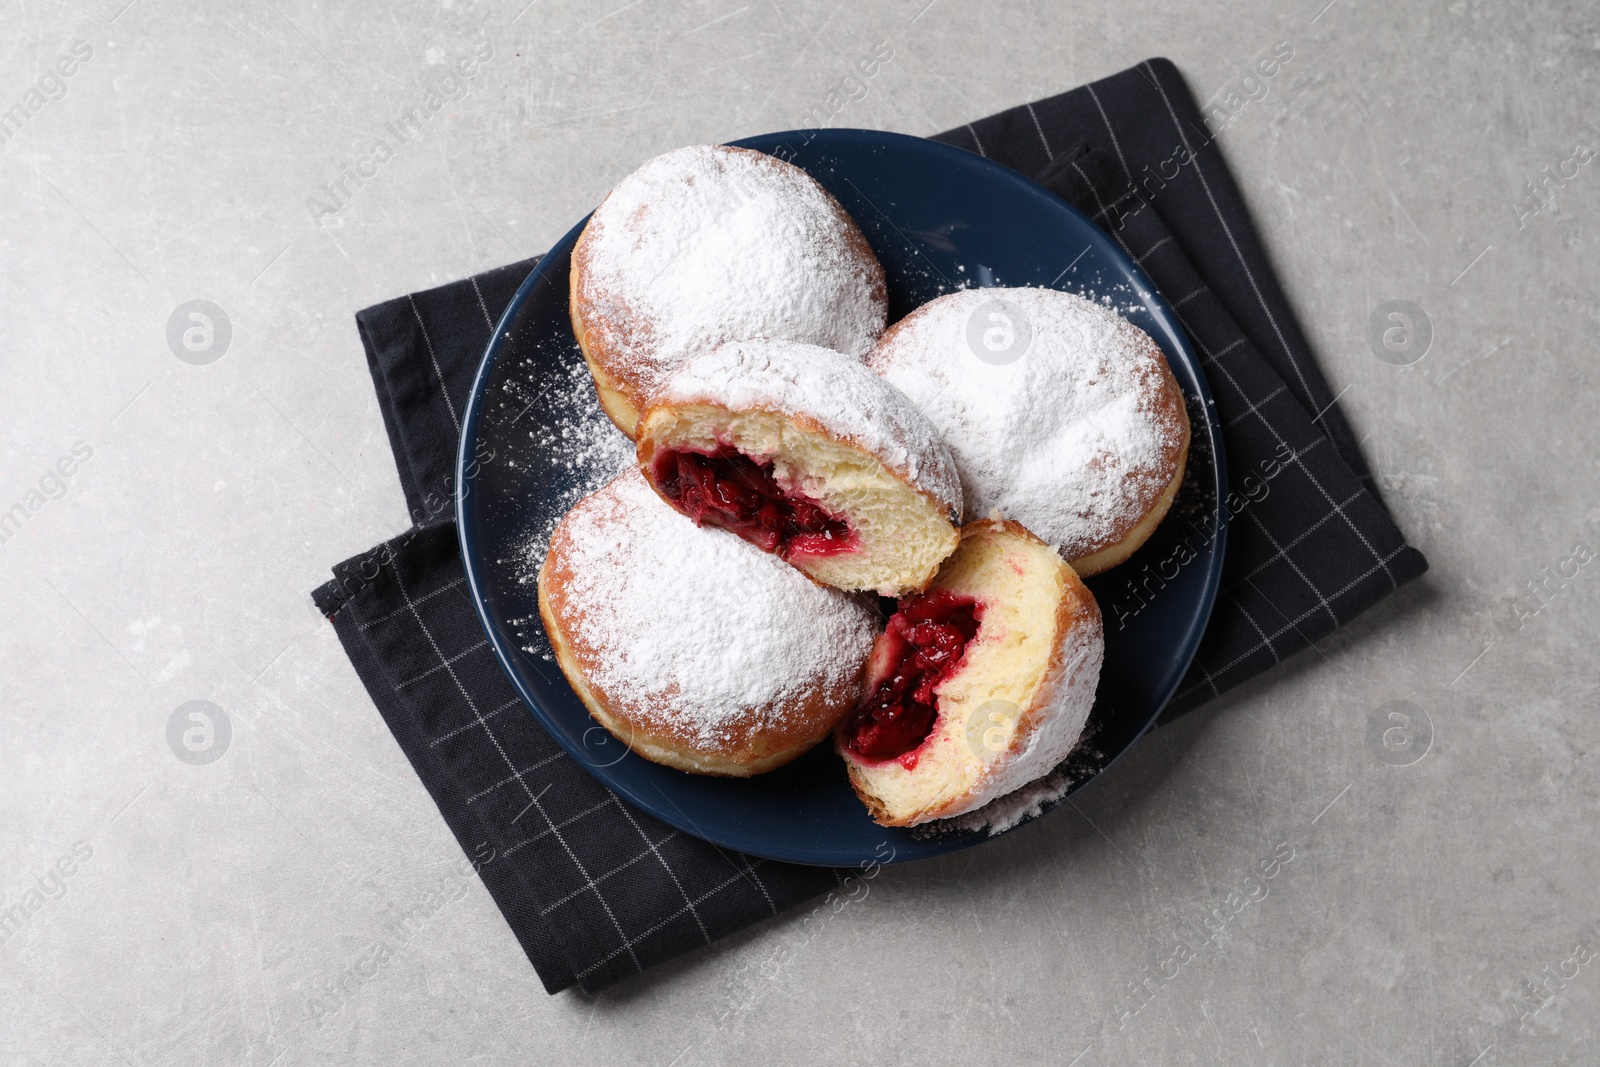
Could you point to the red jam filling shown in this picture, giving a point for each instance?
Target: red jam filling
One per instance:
(729, 489)
(924, 643)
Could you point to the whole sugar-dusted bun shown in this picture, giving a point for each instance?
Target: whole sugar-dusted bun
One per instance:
(1060, 414)
(709, 244)
(805, 453)
(691, 646)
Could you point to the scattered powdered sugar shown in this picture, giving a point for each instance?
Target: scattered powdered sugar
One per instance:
(697, 628)
(1069, 437)
(1029, 802)
(998, 816)
(1011, 810)
(577, 436)
(571, 434)
(708, 244)
(844, 397)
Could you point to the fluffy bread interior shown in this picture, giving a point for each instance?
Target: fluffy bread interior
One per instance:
(904, 533)
(992, 711)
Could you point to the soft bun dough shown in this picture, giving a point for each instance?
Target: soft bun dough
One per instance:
(777, 439)
(708, 244)
(692, 647)
(1019, 697)
(1071, 423)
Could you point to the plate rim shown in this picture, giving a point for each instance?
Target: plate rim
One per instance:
(504, 656)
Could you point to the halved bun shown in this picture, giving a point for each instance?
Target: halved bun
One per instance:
(1008, 711)
(806, 453)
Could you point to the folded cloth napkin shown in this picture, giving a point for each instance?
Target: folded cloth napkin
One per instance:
(595, 890)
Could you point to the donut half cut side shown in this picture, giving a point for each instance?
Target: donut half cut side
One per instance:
(977, 686)
(808, 455)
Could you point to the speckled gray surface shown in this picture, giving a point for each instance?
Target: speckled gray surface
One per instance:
(1431, 913)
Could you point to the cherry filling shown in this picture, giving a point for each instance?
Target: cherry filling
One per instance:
(923, 645)
(729, 489)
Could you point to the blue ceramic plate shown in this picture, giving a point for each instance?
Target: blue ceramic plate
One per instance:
(939, 219)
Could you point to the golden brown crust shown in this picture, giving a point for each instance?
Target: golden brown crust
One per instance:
(757, 743)
(875, 807)
(1172, 415)
(613, 399)
(861, 252)
(1103, 559)
(621, 390)
(889, 335)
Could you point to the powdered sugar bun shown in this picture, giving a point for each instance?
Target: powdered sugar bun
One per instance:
(691, 646)
(707, 244)
(1071, 423)
(806, 453)
(997, 710)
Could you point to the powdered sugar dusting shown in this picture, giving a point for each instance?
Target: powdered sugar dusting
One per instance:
(844, 397)
(1013, 809)
(708, 244)
(1028, 802)
(1070, 439)
(577, 436)
(697, 628)
(571, 434)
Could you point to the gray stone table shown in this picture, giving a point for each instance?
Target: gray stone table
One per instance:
(174, 514)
